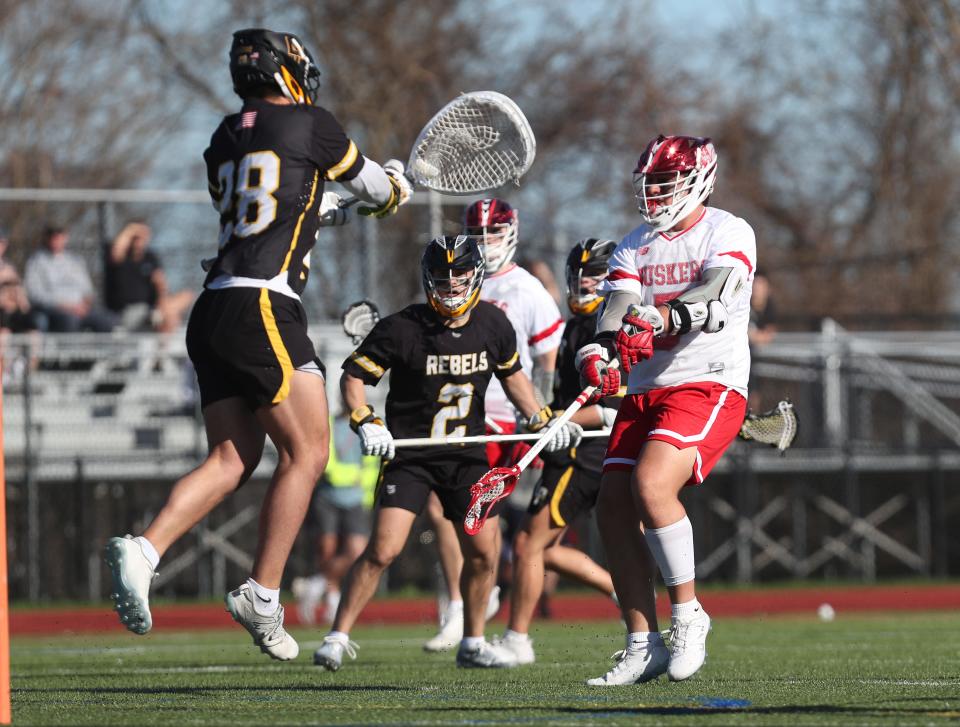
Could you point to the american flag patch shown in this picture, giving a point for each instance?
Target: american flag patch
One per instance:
(248, 119)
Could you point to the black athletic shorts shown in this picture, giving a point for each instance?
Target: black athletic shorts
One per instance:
(247, 342)
(570, 484)
(407, 479)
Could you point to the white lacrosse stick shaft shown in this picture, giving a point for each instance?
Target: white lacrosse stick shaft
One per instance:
(484, 438)
(553, 428)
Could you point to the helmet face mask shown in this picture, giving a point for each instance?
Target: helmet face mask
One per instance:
(586, 269)
(262, 58)
(675, 174)
(452, 268)
(495, 224)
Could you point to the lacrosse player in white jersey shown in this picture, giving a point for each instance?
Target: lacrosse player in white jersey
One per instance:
(539, 326)
(677, 309)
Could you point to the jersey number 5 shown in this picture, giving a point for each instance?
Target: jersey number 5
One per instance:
(247, 205)
(460, 397)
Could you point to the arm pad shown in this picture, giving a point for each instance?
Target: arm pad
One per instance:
(705, 306)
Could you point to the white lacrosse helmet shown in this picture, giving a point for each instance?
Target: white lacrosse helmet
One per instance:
(495, 225)
(674, 175)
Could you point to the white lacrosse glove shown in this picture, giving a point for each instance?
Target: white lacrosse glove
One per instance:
(395, 169)
(569, 435)
(331, 213)
(401, 192)
(375, 439)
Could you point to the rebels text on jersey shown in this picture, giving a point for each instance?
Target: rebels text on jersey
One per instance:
(658, 267)
(534, 315)
(266, 167)
(438, 375)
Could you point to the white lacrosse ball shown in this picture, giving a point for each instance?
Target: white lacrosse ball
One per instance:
(425, 170)
(826, 612)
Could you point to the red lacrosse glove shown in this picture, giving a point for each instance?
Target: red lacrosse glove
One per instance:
(593, 363)
(634, 340)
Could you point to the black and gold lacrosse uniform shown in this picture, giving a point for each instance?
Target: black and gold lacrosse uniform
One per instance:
(571, 478)
(266, 167)
(438, 377)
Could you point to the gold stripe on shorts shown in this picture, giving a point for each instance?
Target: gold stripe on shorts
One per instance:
(276, 341)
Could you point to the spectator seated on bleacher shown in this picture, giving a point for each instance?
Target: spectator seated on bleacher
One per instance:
(15, 313)
(135, 285)
(60, 289)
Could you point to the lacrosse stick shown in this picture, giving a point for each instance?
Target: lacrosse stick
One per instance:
(484, 438)
(359, 319)
(776, 427)
(499, 482)
(476, 143)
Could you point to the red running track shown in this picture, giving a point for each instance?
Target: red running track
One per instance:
(564, 608)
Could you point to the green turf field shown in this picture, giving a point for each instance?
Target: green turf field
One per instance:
(878, 670)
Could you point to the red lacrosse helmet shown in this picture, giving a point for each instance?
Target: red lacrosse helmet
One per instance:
(495, 224)
(673, 176)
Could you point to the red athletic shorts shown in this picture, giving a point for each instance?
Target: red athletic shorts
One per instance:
(507, 454)
(706, 415)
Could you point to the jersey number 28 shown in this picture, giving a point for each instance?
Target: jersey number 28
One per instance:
(247, 205)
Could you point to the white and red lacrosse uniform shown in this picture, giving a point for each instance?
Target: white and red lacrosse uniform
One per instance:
(692, 392)
(536, 318)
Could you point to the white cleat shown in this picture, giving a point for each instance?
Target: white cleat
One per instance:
(330, 654)
(132, 574)
(308, 592)
(493, 603)
(688, 646)
(267, 631)
(485, 656)
(635, 666)
(521, 647)
(451, 631)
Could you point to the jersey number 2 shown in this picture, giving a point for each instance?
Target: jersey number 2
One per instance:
(460, 397)
(247, 204)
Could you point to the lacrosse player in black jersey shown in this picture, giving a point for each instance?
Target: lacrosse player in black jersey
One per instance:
(441, 356)
(571, 477)
(257, 370)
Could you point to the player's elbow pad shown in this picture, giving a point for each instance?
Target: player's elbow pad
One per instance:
(707, 316)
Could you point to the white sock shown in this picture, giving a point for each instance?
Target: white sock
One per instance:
(515, 635)
(471, 642)
(672, 548)
(643, 639)
(454, 606)
(338, 636)
(151, 554)
(685, 610)
(265, 600)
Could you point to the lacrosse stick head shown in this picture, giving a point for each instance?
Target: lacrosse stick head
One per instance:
(776, 427)
(359, 319)
(497, 484)
(476, 143)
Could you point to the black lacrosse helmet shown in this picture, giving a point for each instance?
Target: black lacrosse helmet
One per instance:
(452, 268)
(588, 259)
(261, 57)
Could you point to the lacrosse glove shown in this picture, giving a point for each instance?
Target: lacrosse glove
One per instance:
(569, 435)
(375, 439)
(400, 191)
(593, 363)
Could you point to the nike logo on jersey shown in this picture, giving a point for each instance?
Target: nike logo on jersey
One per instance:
(457, 364)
